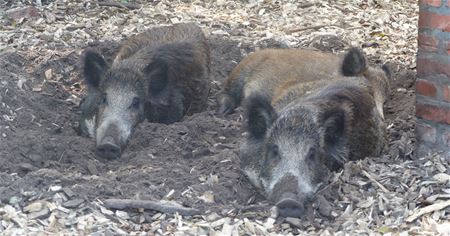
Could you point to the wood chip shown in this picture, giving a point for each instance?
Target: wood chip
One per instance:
(431, 208)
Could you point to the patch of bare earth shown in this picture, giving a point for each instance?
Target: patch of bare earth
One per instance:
(52, 183)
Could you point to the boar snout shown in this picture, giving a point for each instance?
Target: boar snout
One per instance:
(108, 149)
(288, 206)
(289, 198)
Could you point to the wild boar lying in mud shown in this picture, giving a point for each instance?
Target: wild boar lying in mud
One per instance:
(302, 126)
(159, 75)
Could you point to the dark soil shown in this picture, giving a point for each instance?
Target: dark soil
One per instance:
(38, 140)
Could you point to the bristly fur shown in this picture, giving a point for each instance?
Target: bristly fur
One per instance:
(94, 67)
(159, 75)
(157, 71)
(307, 113)
(260, 115)
(387, 70)
(354, 63)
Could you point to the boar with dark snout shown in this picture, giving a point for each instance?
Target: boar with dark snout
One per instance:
(301, 128)
(159, 75)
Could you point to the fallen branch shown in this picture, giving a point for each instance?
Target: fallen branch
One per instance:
(428, 209)
(305, 28)
(130, 6)
(150, 205)
(375, 181)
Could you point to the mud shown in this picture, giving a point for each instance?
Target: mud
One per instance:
(198, 155)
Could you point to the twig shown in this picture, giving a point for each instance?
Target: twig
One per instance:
(433, 198)
(306, 28)
(150, 205)
(431, 208)
(130, 6)
(375, 181)
(305, 5)
(322, 189)
(62, 154)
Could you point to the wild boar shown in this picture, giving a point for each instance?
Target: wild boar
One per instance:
(159, 75)
(272, 71)
(309, 126)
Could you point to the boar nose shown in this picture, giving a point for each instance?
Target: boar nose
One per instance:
(107, 149)
(289, 207)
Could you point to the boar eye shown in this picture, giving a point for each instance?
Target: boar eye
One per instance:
(311, 156)
(136, 103)
(104, 99)
(273, 152)
(82, 101)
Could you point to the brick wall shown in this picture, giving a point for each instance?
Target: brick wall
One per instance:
(433, 77)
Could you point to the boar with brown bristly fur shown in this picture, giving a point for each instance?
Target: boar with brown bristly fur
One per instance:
(271, 71)
(159, 75)
(301, 123)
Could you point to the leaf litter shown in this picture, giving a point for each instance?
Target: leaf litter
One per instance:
(396, 194)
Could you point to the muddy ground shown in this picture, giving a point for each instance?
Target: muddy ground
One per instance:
(194, 161)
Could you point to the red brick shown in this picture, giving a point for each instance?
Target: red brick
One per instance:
(446, 92)
(446, 47)
(427, 42)
(433, 113)
(434, 20)
(431, 67)
(426, 88)
(425, 133)
(434, 3)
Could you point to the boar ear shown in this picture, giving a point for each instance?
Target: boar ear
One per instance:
(387, 70)
(333, 128)
(94, 67)
(333, 137)
(354, 63)
(157, 75)
(260, 115)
